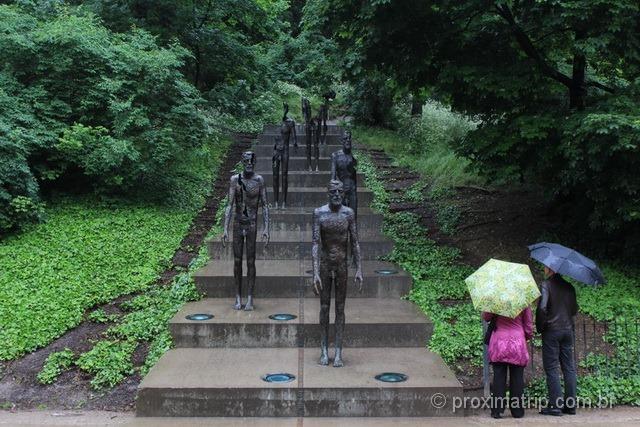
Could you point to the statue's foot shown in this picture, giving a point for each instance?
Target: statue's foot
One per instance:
(283, 206)
(238, 304)
(249, 305)
(317, 169)
(337, 360)
(275, 206)
(324, 359)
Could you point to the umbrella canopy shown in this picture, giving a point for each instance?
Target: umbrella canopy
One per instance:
(501, 287)
(567, 262)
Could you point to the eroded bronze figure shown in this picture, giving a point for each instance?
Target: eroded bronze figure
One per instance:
(280, 159)
(343, 168)
(247, 192)
(334, 226)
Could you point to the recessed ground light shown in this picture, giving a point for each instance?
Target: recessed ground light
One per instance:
(279, 378)
(387, 271)
(391, 377)
(283, 316)
(199, 316)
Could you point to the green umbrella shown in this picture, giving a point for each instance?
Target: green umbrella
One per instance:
(501, 287)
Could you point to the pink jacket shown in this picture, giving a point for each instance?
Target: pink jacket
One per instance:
(508, 342)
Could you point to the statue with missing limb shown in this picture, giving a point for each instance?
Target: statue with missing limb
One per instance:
(324, 113)
(334, 225)
(247, 192)
(309, 125)
(343, 168)
(281, 157)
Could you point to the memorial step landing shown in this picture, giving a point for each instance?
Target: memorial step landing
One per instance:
(305, 178)
(275, 128)
(291, 278)
(218, 382)
(266, 150)
(370, 322)
(269, 139)
(288, 246)
(296, 163)
(316, 196)
(300, 220)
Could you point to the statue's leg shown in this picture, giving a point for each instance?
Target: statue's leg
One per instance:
(309, 144)
(316, 152)
(341, 296)
(251, 265)
(351, 200)
(238, 243)
(285, 177)
(324, 131)
(325, 306)
(275, 168)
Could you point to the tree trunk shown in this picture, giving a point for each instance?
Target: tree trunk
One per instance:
(578, 90)
(416, 106)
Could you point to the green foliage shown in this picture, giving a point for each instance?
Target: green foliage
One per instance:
(100, 316)
(56, 363)
(87, 253)
(109, 362)
(554, 86)
(437, 276)
(82, 103)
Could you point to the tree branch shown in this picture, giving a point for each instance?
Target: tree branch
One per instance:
(600, 86)
(529, 49)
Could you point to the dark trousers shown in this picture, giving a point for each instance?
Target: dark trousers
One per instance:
(557, 352)
(516, 389)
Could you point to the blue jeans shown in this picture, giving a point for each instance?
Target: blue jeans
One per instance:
(557, 351)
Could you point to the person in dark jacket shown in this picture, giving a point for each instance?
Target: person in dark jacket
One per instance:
(557, 307)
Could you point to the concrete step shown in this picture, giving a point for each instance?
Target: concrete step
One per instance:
(289, 246)
(305, 178)
(264, 150)
(290, 278)
(275, 129)
(228, 382)
(316, 196)
(269, 139)
(296, 163)
(370, 322)
(300, 220)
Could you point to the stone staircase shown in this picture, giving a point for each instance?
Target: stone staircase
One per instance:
(218, 365)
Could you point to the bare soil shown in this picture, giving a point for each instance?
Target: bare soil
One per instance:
(19, 388)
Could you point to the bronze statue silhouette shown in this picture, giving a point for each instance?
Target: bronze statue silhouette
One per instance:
(280, 159)
(309, 130)
(343, 168)
(324, 113)
(334, 226)
(247, 192)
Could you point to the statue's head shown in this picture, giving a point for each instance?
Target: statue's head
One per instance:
(336, 192)
(346, 140)
(248, 161)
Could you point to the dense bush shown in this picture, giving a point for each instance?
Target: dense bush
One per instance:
(111, 111)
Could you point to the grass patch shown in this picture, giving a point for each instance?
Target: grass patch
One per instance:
(88, 252)
(55, 364)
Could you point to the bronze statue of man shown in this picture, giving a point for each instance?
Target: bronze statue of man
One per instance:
(247, 192)
(343, 168)
(334, 225)
(309, 129)
(324, 112)
(280, 159)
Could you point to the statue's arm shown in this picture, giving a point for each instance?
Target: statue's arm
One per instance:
(355, 244)
(333, 166)
(295, 136)
(265, 207)
(230, 201)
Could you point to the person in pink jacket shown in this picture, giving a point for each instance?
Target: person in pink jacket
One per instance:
(508, 352)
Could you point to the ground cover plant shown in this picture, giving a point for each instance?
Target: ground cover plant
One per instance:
(439, 290)
(89, 251)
